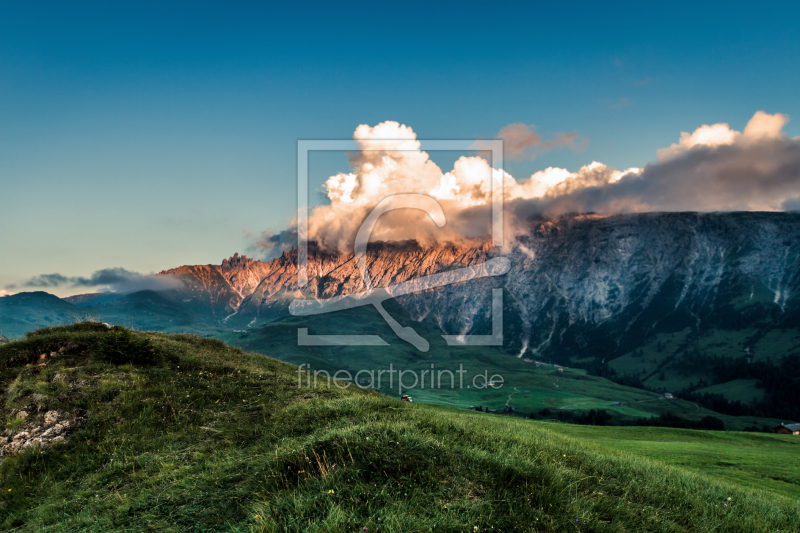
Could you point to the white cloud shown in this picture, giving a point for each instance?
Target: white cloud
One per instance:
(714, 135)
(762, 126)
(766, 126)
(714, 168)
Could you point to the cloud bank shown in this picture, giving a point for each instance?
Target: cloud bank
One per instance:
(714, 168)
(109, 279)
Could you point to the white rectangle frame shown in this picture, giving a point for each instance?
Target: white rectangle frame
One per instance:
(306, 146)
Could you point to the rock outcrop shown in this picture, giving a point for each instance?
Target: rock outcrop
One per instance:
(53, 428)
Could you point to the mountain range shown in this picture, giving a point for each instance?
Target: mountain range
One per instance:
(700, 303)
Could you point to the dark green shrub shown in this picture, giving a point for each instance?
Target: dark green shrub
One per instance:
(28, 350)
(73, 339)
(121, 346)
(203, 342)
(78, 327)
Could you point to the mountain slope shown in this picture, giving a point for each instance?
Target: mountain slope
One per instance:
(587, 286)
(598, 285)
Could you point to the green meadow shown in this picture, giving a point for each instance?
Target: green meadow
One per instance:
(758, 460)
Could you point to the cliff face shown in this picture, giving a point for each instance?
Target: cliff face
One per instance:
(615, 278)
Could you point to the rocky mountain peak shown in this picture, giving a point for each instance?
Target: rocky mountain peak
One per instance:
(237, 262)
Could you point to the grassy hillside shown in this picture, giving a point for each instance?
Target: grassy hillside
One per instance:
(177, 433)
(767, 461)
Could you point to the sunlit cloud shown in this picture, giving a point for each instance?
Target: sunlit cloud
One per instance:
(713, 168)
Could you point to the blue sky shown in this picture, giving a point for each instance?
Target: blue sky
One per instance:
(146, 136)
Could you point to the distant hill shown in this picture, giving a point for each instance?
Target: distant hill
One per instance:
(26, 311)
